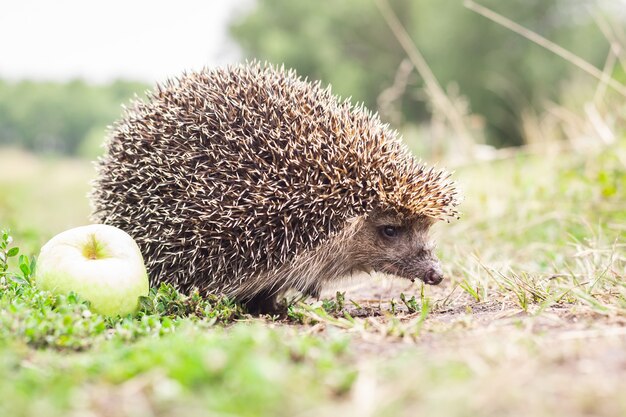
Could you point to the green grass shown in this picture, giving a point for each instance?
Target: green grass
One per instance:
(531, 320)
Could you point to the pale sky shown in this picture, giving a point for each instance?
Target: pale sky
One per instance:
(145, 40)
(98, 41)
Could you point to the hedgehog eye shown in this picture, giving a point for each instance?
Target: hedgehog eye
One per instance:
(390, 231)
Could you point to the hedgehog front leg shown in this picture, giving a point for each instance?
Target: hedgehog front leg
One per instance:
(262, 302)
(268, 301)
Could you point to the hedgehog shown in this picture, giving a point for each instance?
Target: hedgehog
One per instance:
(249, 181)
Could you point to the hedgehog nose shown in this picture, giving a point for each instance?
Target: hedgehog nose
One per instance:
(433, 277)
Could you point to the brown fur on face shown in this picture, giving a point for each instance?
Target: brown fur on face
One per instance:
(362, 245)
(397, 245)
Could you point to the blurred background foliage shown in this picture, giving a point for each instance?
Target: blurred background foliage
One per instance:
(496, 77)
(61, 118)
(349, 45)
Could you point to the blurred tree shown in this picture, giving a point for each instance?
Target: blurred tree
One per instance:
(49, 117)
(347, 44)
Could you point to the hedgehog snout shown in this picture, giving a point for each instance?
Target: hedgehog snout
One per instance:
(426, 264)
(433, 276)
(426, 267)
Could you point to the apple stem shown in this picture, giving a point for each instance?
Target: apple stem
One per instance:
(93, 249)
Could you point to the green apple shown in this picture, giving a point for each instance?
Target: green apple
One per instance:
(102, 264)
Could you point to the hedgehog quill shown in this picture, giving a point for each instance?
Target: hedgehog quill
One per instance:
(249, 181)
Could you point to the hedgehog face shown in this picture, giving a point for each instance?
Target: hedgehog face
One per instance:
(397, 245)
